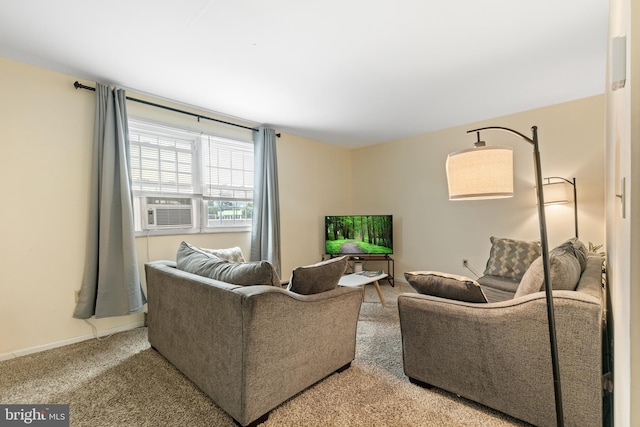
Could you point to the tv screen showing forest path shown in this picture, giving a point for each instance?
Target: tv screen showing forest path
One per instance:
(359, 234)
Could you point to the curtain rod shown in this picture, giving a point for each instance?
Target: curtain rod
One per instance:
(198, 116)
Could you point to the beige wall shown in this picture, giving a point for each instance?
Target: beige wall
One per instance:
(44, 167)
(314, 181)
(407, 179)
(623, 234)
(45, 152)
(634, 208)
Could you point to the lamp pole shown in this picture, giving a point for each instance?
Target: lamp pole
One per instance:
(575, 206)
(545, 262)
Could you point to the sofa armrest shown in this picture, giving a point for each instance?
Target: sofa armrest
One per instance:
(498, 354)
(196, 323)
(291, 341)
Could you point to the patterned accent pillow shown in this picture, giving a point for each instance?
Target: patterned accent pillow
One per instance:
(230, 254)
(511, 258)
(443, 285)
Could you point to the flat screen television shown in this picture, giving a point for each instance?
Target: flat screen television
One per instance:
(358, 234)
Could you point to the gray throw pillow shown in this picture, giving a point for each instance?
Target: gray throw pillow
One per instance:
(578, 249)
(316, 278)
(565, 273)
(193, 260)
(511, 258)
(445, 285)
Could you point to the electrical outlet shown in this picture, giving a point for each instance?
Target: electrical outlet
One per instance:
(76, 296)
(465, 263)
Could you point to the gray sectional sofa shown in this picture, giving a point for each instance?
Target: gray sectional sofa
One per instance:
(497, 353)
(249, 348)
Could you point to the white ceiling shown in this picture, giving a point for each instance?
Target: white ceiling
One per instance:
(347, 72)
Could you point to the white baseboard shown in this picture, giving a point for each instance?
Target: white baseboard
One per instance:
(39, 348)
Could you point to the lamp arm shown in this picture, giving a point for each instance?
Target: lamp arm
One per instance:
(526, 138)
(564, 179)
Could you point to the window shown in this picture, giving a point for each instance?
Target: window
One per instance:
(186, 182)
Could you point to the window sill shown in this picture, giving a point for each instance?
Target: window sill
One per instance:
(179, 231)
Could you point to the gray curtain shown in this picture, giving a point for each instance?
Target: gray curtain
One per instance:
(111, 284)
(265, 234)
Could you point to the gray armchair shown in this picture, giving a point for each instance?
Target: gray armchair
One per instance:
(249, 348)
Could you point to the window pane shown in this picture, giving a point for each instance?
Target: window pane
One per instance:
(228, 213)
(227, 166)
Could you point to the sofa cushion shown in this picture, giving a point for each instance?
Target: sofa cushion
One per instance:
(445, 285)
(565, 273)
(498, 288)
(501, 283)
(194, 260)
(230, 254)
(511, 258)
(319, 277)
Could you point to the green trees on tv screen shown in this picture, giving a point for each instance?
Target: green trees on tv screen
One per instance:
(359, 234)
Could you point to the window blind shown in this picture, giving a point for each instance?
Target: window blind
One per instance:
(227, 168)
(162, 159)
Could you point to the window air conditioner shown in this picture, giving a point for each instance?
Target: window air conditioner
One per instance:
(168, 212)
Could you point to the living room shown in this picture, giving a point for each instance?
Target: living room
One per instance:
(48, 124)
(410, 183)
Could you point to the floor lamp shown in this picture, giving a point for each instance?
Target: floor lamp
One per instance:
(557, 191)
(486, 173)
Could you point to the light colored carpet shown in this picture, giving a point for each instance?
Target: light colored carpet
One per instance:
(121, 381)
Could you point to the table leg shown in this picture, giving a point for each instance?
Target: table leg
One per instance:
(377, 285)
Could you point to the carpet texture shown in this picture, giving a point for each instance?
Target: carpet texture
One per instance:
(121, 381)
